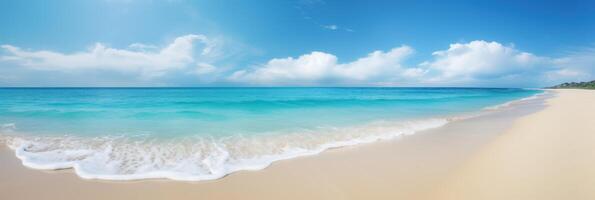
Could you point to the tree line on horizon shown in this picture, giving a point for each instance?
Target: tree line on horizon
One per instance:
(579, 85)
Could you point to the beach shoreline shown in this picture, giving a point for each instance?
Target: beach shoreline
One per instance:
(413, 167)
(102, 140)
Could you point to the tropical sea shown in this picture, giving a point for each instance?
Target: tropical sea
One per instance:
(206, 133)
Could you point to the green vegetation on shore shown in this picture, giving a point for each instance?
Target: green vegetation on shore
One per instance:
(581, 85)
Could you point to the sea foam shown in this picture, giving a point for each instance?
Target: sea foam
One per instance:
(195, 158)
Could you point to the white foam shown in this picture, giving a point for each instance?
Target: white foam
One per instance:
(8, 127)
(193, 159)
(518, 101)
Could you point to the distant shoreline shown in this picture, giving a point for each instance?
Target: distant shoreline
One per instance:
(589, 85)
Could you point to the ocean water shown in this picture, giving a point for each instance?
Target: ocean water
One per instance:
(206, 133)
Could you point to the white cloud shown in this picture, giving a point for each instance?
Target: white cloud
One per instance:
(142, 59)
(306, 68)
(476, 63)
(334, 27)
(376, 64)
(320, 67)
(204, 68)
(196, 59)
(140, 46)
(480, 60)
(576, 66)
(493, 64)
(331, 27)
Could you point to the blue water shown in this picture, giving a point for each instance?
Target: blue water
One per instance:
(211, 132)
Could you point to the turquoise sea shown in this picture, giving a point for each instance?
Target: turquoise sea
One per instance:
(207, 133)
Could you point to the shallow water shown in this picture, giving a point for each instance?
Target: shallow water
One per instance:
(206, 133)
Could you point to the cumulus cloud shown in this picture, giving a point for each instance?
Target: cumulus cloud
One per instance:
(476, 63)
(320, 67)
(192, 59)
(146, 60)
(493, 64)
(480, 60)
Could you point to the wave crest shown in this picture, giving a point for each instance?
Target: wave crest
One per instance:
(193, 158)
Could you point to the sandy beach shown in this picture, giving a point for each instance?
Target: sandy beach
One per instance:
(540, 151)
(546, 155)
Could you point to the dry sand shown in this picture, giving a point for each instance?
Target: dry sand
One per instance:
(514, 154)
(546, 155)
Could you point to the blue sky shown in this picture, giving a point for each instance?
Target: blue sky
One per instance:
(296, 43)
